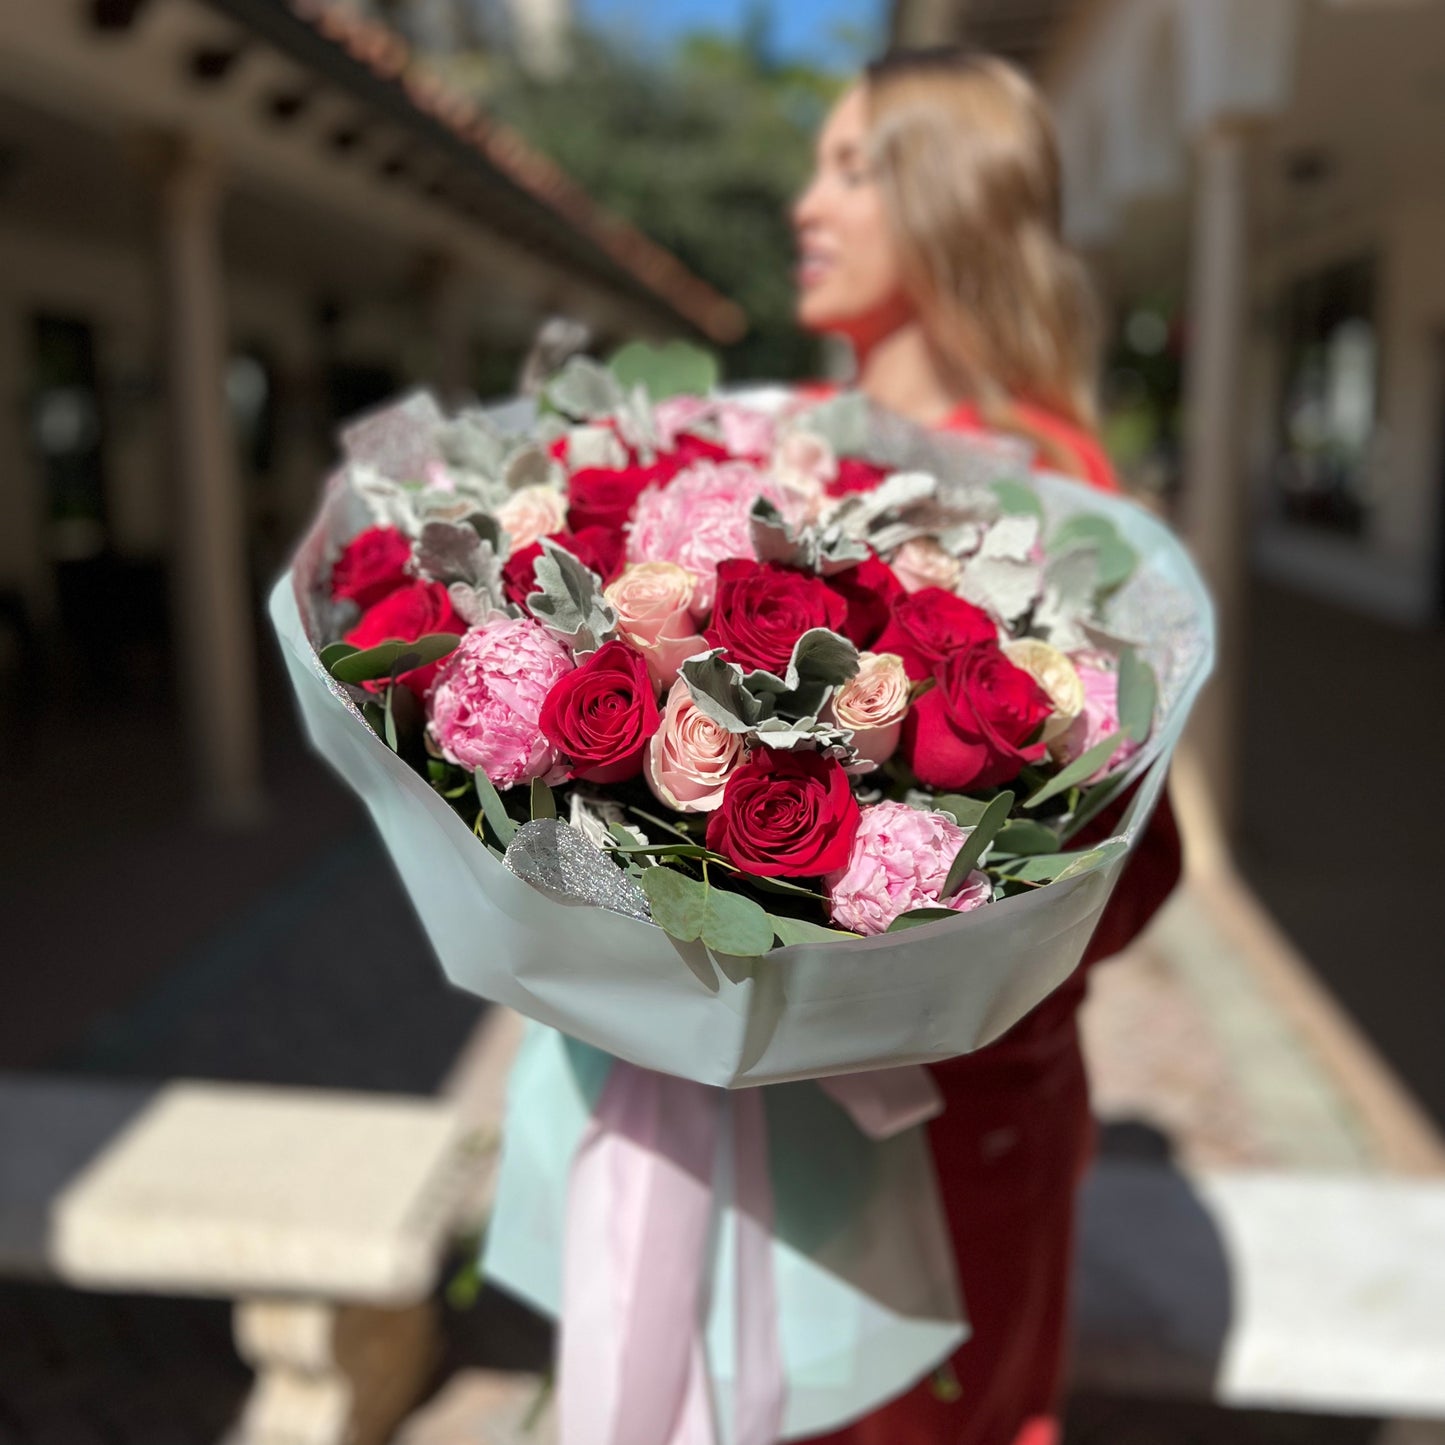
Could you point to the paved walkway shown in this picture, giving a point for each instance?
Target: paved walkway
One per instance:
(148, 946)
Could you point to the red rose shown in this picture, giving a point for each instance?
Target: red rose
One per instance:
(603, 497)
(600, 715)
(687, 449)
(930, 626)
(786, 815)
(372, 564)
(762, 609)
(411, 611)
(599, 548)
(855, 475)
(872, 592)
(976, 728)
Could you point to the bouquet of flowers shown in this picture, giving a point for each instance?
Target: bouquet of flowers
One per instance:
(744, 740)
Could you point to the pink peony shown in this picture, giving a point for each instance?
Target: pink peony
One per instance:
(1099, 719)
(873, 703)
(485, 704)
(690, 757)
(701, 519)
(900, 861)
(652, 601)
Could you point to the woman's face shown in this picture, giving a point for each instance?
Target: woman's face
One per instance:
(848, 273)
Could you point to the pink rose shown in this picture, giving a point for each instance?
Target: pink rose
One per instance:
(690, 757)
(804, 460)
(1099, 718)
(746, 431)
(923, 563)
(652, 601)
(700, 519)
(532, 513)
(674, 415)
(900, 861)
(487, 699)
(873, 703)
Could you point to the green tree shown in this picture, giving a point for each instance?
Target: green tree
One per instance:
(704, 150)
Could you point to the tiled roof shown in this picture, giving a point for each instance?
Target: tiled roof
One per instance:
(389, 59)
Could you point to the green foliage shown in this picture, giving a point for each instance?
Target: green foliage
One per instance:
(689, 909)
(983, 833)
(704, 150)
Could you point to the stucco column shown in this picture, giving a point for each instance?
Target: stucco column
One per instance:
(214, 623)
(1216, 514)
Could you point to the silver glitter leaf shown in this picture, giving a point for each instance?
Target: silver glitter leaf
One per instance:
(400, 440)
(558, 860)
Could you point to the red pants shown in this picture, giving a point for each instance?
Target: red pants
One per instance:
(1010, 1148)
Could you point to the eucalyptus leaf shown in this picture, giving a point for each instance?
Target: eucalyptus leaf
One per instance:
(1058, 867)
(544, 805)
(919, 916)
(799, 930)
(964, 811)
(984, 832)
(1116, 558)
(689, 909)
(1138, 695)
(675, 368)
(1015, 499)
(388, 718)
(334, 652)
(1024, 836)
(1079, 771)
(393, 657)
(493, 808)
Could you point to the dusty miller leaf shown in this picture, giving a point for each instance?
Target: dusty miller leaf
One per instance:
(569, 602)
(584, 389)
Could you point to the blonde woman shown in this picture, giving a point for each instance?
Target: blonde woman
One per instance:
(929, 237)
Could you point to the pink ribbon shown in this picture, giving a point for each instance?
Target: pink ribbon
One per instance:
(641, 1216)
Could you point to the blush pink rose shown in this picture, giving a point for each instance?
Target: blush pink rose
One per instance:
(700, 519)
(674, 415)
(652, 601)
(530, 514)
(1099, 718)
(746, 431)
(900, 861)
(487, 699)
(923, 563)
(873, 703)
(690, 757)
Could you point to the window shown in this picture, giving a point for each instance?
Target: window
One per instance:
(1328, 400)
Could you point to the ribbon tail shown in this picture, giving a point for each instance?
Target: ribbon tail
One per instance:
(760, 1387)
(885, 1102)
(639, 1213)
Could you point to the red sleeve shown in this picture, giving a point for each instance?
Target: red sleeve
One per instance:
(1149, 877)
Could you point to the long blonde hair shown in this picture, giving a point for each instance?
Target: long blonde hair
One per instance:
(965, 153)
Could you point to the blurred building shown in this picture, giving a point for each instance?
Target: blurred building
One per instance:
(1259, 186)
(225, 224)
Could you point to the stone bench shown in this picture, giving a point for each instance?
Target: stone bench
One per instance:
(324, 1216)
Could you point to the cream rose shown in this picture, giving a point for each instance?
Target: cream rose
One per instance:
(690, 757)
(532, 513)
(804, 463)
(873, 703)
(653, 602)
(1058, 677)
(923, 563)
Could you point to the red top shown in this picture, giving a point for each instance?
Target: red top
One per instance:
(1079, 446)
(1011, 1145)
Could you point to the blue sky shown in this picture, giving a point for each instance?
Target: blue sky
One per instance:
(801, 29)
